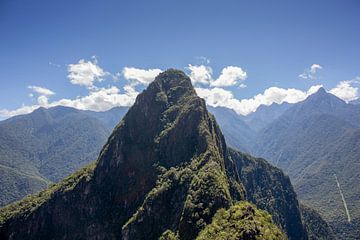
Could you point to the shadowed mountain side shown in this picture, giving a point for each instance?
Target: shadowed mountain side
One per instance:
(312, 141)
(164, 171)
(237, 133)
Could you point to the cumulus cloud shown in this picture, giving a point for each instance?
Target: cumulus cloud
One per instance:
(41, 90)
(5, 113)
(311, 73)
(85, 73)
(219, 97)
(100, 99)
(229, 76)
(346, 91)
(200, 74)
(140, 76)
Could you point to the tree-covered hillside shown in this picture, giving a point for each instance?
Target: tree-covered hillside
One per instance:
(165, 171)
(42, 147)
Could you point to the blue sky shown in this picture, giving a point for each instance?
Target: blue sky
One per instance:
(273, 42)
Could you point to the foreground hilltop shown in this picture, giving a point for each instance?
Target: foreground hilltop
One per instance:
(165, 172)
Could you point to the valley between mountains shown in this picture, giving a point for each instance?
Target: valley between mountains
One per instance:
(164, 170)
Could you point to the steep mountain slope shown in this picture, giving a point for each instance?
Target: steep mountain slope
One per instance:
(231, 123)
(164, 173)
(240, 131)
(312, 141)
(111, 117)
(316, 227)
(48, 144)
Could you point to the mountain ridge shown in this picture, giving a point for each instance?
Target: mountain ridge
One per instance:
(312, 141)
(44, 146)
(167, 151)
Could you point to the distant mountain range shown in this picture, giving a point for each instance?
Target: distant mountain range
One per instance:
(231, 124)
(164, 173)
(43, 147)
(313, 141)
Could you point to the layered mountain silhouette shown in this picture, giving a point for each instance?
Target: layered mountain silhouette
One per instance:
(312, 141)
(46, 145)
(165, 172)
(265, 115)
(231, 123)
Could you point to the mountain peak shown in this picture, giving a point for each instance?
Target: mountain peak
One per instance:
(324, 98)
(173, 76)
(173, 85)
(164, 169)
(321, 90)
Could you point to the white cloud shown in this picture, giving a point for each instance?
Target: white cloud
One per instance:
(43, 100)
(346, 91)
(219, 97)
(200, 74)
(140, 76)
(41, 90)
(311, 72)
(5, 113)
(229, 76)
(100, 99)
(85, 73)
(314, 68)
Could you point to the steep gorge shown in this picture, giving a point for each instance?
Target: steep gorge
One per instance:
(165, 171)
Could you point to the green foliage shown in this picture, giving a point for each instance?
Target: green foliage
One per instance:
(169, 235)
(30, 203)
(46, 145)
(312, 141)
(165, 168)
(241, 221)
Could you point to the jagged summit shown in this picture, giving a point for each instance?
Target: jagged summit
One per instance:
(165, 170)
(174, 78)
(322, 96)
(321, 90)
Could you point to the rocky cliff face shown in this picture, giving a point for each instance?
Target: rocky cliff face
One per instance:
(271, 190)
(165, 171)
(316, 227)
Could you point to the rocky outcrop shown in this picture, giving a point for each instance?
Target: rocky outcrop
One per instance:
(164, 170)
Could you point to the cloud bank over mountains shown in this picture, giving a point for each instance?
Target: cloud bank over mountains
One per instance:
(217, 91)
(219, 97)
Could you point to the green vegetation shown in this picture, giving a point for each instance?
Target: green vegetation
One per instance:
(30, 203)
(169, 235)
(43, 147)
(316, 227)
(241, 221)
(313, 140)
(164, 173)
